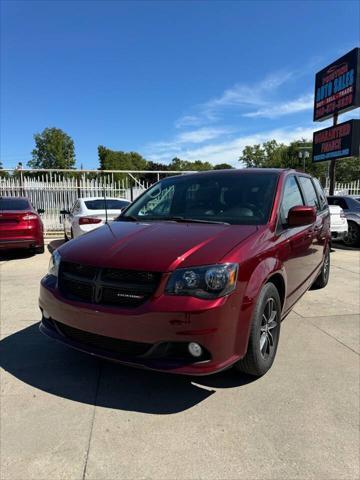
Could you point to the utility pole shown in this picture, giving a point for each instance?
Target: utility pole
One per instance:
(304, 155)
(332, 164)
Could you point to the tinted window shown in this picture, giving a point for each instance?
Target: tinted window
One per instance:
(235, 198)
(109, 204)
(75, 207)
(291, 198)
(321, 194)
(309, 192)
(338, 201)
(14, 204)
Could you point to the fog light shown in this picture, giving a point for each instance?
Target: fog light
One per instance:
(195, 349)
(46, 315)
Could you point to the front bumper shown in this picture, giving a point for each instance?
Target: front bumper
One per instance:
(216, 326)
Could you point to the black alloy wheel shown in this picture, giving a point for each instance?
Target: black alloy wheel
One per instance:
(264, 334)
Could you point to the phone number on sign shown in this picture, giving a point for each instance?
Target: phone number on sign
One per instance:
(334, 106)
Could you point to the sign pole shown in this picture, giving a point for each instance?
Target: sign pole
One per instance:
(333, 164)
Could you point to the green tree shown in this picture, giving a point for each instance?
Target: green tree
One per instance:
(53, 149)
(2, 173)
(119, 160)
(222, 166)
(178, 164)
(271, 154)
(347, 170)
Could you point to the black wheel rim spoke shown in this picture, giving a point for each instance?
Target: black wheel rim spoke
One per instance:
(269, 323)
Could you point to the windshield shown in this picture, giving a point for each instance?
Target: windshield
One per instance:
(110, 204)
(14, 204)
(237, 198)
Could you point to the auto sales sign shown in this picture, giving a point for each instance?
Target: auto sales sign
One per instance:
(339, 141)
(337, 87)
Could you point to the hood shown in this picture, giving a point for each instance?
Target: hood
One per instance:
(155, 246)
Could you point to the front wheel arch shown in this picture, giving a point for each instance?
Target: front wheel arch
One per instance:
(254, 363)
(268, 271)
(278, 280)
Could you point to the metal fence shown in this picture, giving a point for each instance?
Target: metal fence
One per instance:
(54, 190)
(351, 188)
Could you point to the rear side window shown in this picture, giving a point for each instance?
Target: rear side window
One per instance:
(14, 204)
(311, 198)
(291, 198)
(75, 208)
(321, 194)
(108, 203)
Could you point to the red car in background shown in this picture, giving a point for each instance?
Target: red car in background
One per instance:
(196, 275)
(20, 225)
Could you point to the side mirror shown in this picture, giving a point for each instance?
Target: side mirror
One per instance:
(40, 210)
(301, 215)
(64, 212)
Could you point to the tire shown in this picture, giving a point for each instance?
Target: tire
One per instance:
(352, 236)
(263, 341)
(40, 249)
(323, 277)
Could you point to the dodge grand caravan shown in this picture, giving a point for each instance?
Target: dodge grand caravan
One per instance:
(196, 275)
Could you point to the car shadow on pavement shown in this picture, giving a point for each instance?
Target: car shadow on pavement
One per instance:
(342, 246)
(17, 254)
(53, 368)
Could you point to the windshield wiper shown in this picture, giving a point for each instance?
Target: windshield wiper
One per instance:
(192, 220)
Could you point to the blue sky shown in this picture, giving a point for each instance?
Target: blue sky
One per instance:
(194, 79)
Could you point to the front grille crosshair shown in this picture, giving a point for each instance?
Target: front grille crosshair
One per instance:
(106, 286)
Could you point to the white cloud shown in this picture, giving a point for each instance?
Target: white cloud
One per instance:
(255, 94)
(200, 135)
(188, 121)
(240, 95)
(229, 151)
(300, 104)
(211, 141)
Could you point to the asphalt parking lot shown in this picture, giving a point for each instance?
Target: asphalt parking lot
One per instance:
(65, 415)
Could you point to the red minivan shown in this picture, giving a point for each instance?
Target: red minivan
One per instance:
(20, 225)
(196, 275)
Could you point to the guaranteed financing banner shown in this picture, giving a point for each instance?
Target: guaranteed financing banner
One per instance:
(339, 141)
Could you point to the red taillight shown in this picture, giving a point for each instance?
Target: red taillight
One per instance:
(88, 220)
(29, 216)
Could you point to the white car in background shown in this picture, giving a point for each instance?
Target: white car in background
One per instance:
(90, 213)
(338, 222)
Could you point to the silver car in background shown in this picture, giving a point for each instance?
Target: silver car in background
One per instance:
(90, 213)
(351, 207)
(338, 222)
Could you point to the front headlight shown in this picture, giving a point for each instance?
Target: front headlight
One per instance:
(211, 281)
(54, 263)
